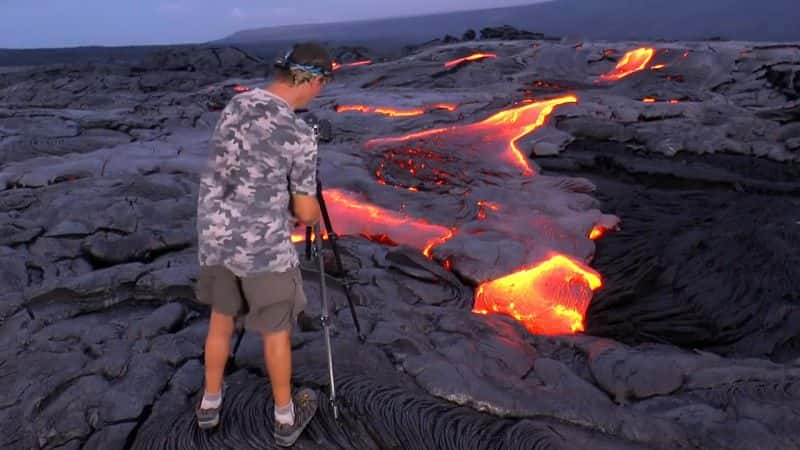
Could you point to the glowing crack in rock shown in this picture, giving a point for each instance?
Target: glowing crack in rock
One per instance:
(391, 112)
(548, 298)
(633, 61)
(504, 128)
(483, 205)
(472, 57)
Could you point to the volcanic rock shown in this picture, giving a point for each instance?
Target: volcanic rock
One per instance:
(676, 186)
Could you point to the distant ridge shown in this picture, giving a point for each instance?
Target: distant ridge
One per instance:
(762, 20)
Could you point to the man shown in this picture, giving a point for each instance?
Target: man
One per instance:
(263, 171)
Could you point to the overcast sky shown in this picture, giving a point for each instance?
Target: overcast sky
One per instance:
(68, 23)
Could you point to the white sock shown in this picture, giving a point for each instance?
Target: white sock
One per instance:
(211, 401)
(285, 414)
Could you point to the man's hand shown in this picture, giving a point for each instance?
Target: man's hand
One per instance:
(306, 209)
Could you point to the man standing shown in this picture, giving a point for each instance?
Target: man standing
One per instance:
(263, 172)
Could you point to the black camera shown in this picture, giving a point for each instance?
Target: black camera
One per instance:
(323, 130)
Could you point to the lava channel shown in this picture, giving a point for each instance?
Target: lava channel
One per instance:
(633, 61)
(351, 216)
(470, 58)
(337, 66)
(502, 129)
(549, 298)
(391, 112)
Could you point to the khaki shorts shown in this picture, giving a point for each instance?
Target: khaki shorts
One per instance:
(269, 302)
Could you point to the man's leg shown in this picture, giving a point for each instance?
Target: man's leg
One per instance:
(218, 347)
(278, 359)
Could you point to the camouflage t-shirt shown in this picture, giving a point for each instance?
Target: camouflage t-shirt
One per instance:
(261, 153)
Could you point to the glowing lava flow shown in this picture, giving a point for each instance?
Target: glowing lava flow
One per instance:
(549, 298)
(597, 232)
(473, 57)
(337, 66)
(391, 112)
(351, 216)
(633, 61)
(507, 126)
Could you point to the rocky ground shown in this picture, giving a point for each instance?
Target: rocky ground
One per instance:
(691, 342)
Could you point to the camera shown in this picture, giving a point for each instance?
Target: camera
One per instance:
(323, 130)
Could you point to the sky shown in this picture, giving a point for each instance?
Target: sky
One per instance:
(70, 23)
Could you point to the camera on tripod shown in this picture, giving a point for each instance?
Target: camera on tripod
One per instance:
(323, 130)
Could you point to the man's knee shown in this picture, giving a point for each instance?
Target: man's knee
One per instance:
(221, 324)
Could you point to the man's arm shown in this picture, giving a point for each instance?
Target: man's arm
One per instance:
(303, 183)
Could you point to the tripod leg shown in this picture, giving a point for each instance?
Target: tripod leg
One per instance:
(308, 243)
(324, 318)
(338, 258)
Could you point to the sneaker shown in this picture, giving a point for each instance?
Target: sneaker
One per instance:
(208, 418)
(305, 406)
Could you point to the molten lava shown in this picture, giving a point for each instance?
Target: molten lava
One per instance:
(548, 298)
(482, 205)
(597, 232)
(239, 88)
(473, 57)
(337, 66)
(391, 112)
(506, 127)
(351, 216)
(633, 61)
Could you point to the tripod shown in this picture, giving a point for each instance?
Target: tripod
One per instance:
(333, 238)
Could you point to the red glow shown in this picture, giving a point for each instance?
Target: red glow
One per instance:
(649, 100)
(433, 243)
(597, 232)
(337, 66)
(392, 112)
(548, 298)
(507, 126)
(482, 205)
(446, 106)
(239, 88)
(355, 217)
(633, 61)
(473, 57)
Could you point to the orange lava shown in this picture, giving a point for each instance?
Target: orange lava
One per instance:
(352, 216)
(435, 242)
(337, 66)
(391, 112)
(548, 298)
(472, 57)
(507, 126)
(597, 232)
(649, 100)
(658, 66)
(633, 61)
(482, 205)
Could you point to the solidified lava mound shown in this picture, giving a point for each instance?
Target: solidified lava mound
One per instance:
(550, 246)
